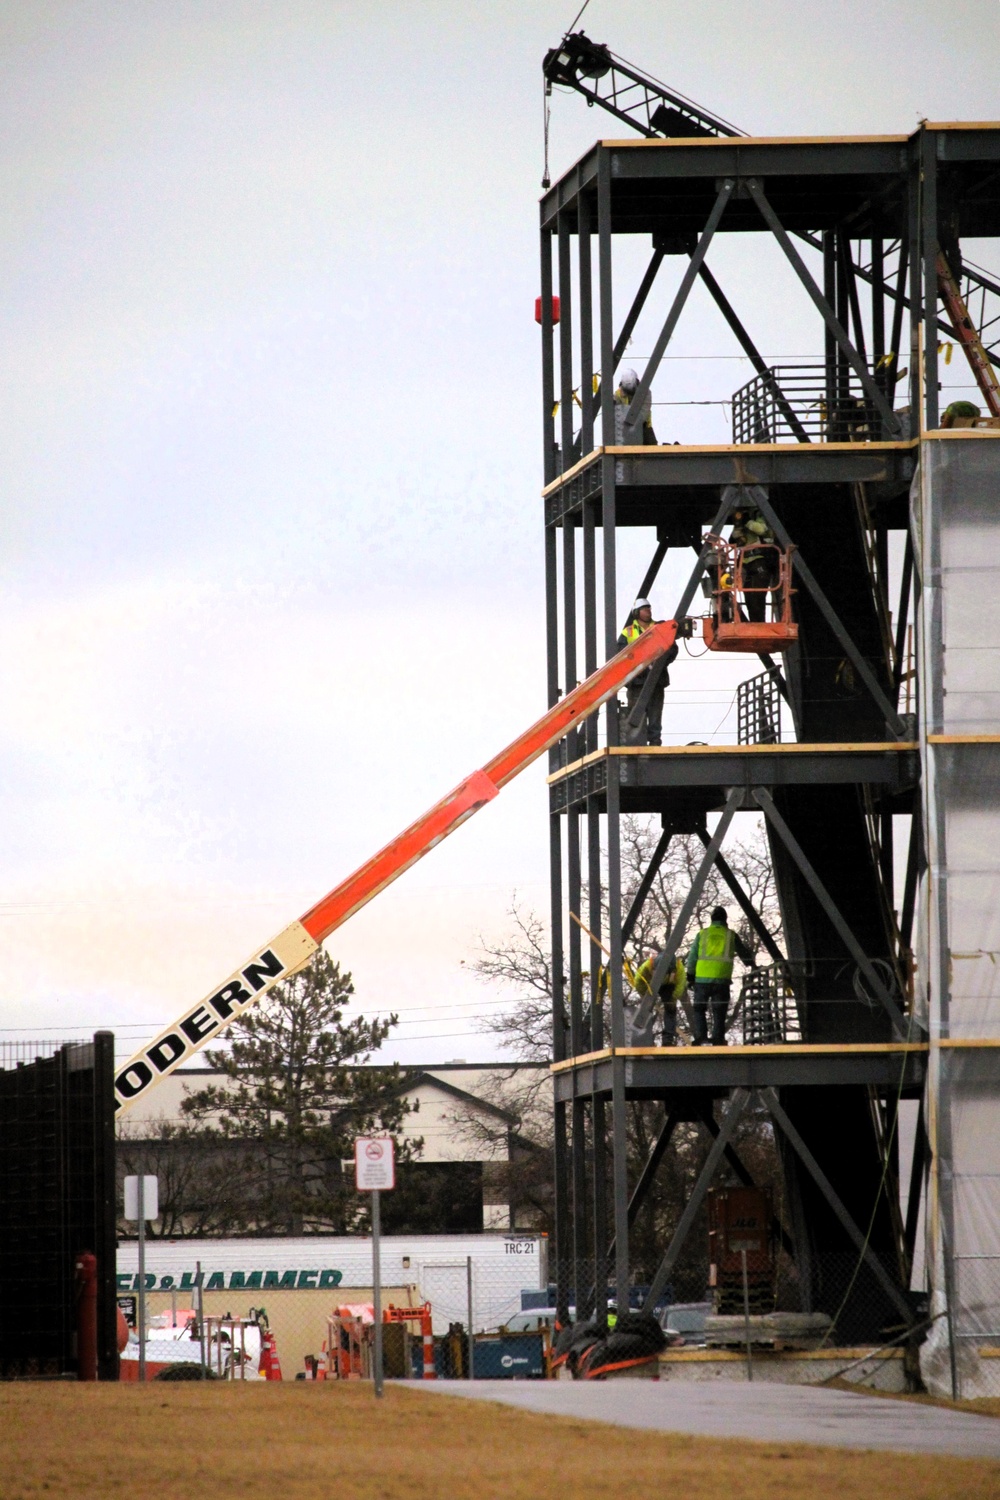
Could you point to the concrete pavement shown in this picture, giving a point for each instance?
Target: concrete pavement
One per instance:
(763, 1413)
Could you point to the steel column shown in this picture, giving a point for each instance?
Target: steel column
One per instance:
(929, 253)
(586, 329)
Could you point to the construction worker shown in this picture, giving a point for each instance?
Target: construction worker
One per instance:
(650, 730)
(760, 562)
(710, 970)
(964, 411)
(672, 989)
(627, 387)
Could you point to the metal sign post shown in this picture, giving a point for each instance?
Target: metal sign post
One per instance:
(142, 1203)
(374, 1172)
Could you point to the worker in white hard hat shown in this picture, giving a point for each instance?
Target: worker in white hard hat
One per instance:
(650, 730)
(628, 384)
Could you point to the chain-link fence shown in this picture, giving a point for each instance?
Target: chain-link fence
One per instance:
(963, 1352)
(307, 1319)
(756, 1315)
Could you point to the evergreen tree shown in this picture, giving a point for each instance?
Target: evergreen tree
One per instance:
(296, 1095)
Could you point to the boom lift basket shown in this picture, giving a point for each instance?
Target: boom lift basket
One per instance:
(736, 581)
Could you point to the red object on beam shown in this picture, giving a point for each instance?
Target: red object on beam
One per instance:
(555, 309)
(86, 1316)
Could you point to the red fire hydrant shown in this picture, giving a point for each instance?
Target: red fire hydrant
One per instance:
(86, 1316)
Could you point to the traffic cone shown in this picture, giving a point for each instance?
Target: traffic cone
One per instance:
(273, 1362)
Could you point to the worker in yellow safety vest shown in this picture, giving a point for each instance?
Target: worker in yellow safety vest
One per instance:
(672, 989)
(650, 731)
(709, 968)
(760, 562)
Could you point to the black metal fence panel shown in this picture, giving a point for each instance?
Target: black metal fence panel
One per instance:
(57, 1202)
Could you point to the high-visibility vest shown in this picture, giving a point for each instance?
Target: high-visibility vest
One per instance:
(634, 629)
(644, 974)
(714, 950)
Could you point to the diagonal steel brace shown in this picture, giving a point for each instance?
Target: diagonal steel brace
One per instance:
(737, 1104)
(819, 890)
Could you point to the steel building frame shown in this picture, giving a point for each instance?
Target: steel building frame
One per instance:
(940, 184)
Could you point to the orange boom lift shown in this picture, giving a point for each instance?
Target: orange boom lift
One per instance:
(292, 949)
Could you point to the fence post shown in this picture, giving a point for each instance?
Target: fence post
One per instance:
(472, 1345)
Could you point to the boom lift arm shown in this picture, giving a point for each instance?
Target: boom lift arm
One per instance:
(292, 949)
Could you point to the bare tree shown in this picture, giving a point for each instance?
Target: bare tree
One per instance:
(521, 964)
(522, 961)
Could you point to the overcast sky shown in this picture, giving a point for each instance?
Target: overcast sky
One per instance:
(270, 543)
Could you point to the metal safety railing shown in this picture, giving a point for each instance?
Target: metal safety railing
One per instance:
(768, 1006)
(764, 407)
(758, 711)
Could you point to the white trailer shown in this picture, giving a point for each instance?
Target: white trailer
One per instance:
(503, 1265)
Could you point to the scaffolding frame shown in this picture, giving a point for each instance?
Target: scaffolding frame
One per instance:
(828, 194)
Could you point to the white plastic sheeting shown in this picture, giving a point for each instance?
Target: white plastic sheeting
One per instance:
(956, 531)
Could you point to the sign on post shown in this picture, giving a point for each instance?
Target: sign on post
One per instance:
(375, 1173)
(374, 1163)
(150, 1198)
(142, 1202)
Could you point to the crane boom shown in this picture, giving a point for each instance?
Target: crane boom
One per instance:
(617, 86)
(292, 949)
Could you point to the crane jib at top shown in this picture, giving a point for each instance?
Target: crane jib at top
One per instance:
(293, 948)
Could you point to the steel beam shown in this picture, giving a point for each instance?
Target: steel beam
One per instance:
(650, 1168)
(621, 342)
(826, 1187)
(585, 279)
(649, 577)
(646, 884)
(644, 1013)
(683, 291)
(918, 1171)
(753, 354)
(929, 254)
(831, 617)
(730, 1120)
(823, 307)
(819, 890)
(899, 645)
(744, 902)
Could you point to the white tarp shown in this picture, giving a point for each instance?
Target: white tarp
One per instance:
(956, 528)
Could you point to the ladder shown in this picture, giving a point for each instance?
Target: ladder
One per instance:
(968, 336)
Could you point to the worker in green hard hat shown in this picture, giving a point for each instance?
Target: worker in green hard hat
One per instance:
(963, 411)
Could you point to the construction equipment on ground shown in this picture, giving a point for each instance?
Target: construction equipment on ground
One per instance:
(741, 1250)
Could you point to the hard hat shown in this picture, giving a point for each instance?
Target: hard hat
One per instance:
(642, 604)
(628, 380)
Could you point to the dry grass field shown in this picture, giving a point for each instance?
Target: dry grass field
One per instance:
(310, 1442)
